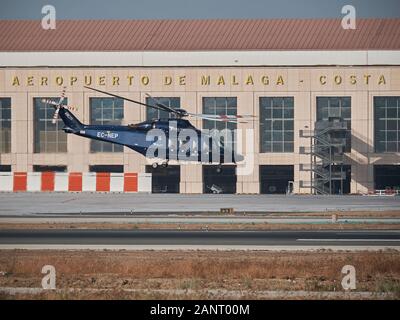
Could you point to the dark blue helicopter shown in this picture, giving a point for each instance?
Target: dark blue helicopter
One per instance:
(166, 139)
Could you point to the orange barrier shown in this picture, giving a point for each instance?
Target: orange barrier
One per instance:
(20, 181)
(75, 181)
(47, 181)
(103, 181)
(130, 182)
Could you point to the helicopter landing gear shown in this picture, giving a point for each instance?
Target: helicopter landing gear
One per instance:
(155, 165)
(219, 168)
(165, 164)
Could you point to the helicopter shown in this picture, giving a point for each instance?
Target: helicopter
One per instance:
(174, 138)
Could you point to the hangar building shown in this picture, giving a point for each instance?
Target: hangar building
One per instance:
(308, 83)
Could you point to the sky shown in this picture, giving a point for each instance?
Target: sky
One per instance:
(197, 9)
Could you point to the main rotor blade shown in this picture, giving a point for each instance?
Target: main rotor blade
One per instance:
(127, 99)
(221, 118)
(205, 117)
(159, 103)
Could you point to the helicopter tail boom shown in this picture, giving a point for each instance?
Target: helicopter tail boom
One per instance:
(72, 124)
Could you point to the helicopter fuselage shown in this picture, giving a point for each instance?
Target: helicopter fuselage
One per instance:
(162, 138)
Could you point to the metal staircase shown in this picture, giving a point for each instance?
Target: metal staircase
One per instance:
(327, 147)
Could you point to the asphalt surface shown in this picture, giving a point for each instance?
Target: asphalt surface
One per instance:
(198, 219)
(14, 204)
(243, 238)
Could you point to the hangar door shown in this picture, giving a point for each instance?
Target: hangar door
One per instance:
(342, 186)
(387, 176)
(165, 180)
(275, 179)
(219, 181)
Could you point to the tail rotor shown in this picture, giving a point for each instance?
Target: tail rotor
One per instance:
(58, 105)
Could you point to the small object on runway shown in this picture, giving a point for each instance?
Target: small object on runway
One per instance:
(227, 210)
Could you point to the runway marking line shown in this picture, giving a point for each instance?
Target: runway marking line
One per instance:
(353, 240)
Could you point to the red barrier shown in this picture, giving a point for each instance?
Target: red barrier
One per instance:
(103, 181)
(20, 181)
(75, 181)
(130, 182)
(48, 181)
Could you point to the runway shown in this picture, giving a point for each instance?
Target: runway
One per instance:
(175, 239)
(17, 204)
(203, 220)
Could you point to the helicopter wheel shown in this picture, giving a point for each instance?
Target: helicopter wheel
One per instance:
(219, 169)
(154, 165)
(165, 164)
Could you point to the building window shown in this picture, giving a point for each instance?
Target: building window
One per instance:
(5, 125)
(39, 168)
(5, 168)
(172, 102)
(387, 124)
(113, 168)
(336, 107)
(49, 138)
(219, 106)
(106, 111)
(276, 124)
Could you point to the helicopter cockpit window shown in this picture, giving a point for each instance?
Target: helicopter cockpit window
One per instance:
(140, 126)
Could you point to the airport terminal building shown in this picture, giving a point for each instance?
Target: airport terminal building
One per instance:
(300, 79)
